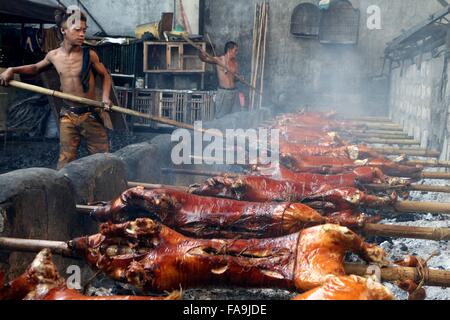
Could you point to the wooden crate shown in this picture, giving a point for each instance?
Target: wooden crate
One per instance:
(179, 105)
(173, 105)
(202, 106)
(144, 101)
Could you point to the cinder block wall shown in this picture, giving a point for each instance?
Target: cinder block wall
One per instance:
(419, 101)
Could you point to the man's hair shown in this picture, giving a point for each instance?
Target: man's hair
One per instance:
(230, 45)
(61, 17)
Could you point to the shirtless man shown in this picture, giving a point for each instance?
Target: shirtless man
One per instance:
(75, 66)
(227, 98)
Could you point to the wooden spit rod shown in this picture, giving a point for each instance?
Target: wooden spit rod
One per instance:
(433, 277)
(394, 231)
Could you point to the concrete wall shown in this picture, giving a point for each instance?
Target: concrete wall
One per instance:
(419, 101)
(307, 72)
(120, 17)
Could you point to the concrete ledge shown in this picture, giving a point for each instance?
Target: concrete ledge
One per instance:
(36, 204)
(141, 161)
(100, 177)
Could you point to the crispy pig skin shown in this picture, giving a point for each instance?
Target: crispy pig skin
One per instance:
(207, 217)
(155, 258)
(348, 288)
(262, 189)
(352, 178)
(336, 165)
(41, 281)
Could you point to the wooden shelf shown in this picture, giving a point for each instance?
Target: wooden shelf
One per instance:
(170, 57)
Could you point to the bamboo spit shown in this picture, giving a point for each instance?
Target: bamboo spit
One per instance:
(199, 172)
(381, 136)
(370, 119)
(437, 278)
(408, 152)
(413, 187)
(394, 231)
(156, 186)
(423, 175)
(380, 126)
(429, 163)
(422, 207)
(371, 133)
(433, 277)
(383, 127)
(397, 231)
(435, 175)
(405, 142)
(376, 187)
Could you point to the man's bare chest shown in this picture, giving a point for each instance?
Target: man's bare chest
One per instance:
(227, 66)
(68, 67)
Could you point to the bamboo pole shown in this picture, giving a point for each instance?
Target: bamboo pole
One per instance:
(85, 209)
(403, 136)
(413, 187)
(435, 175)
(380, 126)
(429, 163)
(198, 172)
(436, 278)
(156, 186)
(397, 134)
(377, 187)
(253, 52)
(266, 22)
(370, 119)
(423, 175)
(25, 245)
(422, 207)
(393, 231)
(432, 277)
(408, 152)
(98, 104)
(405, 142)
(397, 231)
(258, 49)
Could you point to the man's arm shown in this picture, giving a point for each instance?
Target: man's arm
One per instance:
(207, 58)
(32, 69)
(107, 80)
